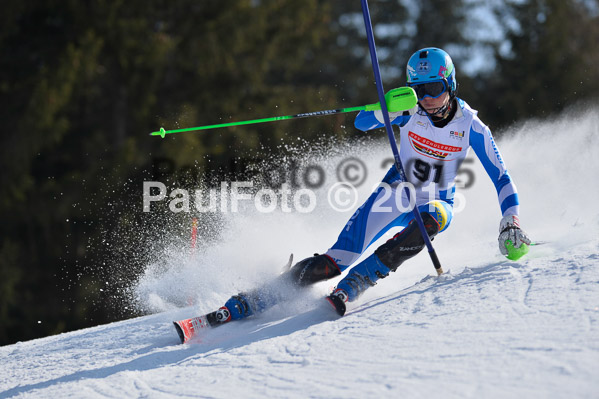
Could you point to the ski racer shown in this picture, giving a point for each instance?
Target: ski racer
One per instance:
(435, 137)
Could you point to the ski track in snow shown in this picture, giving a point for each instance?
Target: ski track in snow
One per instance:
(488, 328)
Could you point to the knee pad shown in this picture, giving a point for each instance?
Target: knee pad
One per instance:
(407, 243)
(441, 211)
(314, 269)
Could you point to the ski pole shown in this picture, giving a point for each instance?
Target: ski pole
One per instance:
(399, 99)
(398, 165)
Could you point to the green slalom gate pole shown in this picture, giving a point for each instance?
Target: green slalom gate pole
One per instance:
(399, 99)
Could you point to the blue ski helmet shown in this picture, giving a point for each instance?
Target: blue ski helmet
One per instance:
(431, 64)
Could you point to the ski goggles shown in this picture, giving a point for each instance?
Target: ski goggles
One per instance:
(431, 89)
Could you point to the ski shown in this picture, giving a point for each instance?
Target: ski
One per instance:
(337, 303)
(337, 300)
(188, 329)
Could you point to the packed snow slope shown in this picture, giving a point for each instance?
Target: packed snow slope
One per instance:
(488, 328)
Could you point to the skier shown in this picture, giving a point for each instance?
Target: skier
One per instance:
(435, 138)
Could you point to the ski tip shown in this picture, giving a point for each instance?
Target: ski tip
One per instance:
(287, 266)
(179, 332)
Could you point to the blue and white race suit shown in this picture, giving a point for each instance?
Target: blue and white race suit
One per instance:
(431, 157)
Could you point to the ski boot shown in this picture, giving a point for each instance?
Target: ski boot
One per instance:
(304, 273)
(387, 258)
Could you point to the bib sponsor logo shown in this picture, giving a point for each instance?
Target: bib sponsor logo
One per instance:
(456, 135)
(430, 148)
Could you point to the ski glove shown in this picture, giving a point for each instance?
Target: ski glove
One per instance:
(513, 241)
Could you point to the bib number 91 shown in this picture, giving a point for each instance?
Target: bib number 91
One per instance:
(424, 170)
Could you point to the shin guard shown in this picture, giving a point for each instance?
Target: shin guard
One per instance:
(312, 270)
(407, 243)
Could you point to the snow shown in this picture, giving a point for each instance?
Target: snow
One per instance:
(487, 328)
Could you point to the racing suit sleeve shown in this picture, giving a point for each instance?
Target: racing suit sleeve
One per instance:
(481, 140)
(368, 120)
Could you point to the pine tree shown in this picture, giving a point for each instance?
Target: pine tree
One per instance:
(83, 84)
(551, 63)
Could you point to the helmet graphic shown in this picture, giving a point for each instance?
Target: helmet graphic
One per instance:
(430, 65)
